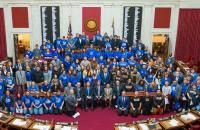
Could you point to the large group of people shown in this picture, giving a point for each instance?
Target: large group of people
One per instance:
(77, 72)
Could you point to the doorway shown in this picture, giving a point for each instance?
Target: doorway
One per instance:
(160, 44)
(21, 43)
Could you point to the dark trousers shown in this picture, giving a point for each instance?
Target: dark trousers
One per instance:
(146, 110)
(135, 113)
(88, 102)
(58, 111)
(71, 113)
(120, 112)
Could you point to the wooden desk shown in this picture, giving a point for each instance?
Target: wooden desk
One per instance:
(167, 124)
(25, 123)
(196, 112)
(132, 126)
(5, 118)
(63, 127)
(142, 125)
(40, 126)
(185, 118)
(141, 93)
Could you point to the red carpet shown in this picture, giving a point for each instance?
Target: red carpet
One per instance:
(98, 119)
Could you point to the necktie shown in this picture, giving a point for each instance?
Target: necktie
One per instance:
(88, 91)
(99, 91)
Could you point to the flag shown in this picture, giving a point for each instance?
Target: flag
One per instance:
(132, 24)
(113, 26)
(70, 27)
(91, 20)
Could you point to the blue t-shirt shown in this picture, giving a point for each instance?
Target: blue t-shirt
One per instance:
(29, 54)
(48, 102)
(173, 90)
(46, 88)
(64, 43)
(49, 46)
(58, 100)
(33, 88)
(58, 43)
(37, 101)
(64, 79)
(27, 100)
(1, 89)
(8, 102)
(28, 75)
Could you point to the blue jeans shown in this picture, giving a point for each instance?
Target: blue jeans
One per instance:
(10, 109)
(28, 111)
(49, 111)
(38, 111)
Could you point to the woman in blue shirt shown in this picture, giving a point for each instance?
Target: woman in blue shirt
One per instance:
(28, 76)
(38, 105)
(27, 101)
(9, 82)
(33, 88)
(58, 103)
(48, 104)
(18, 104)
(8, 102)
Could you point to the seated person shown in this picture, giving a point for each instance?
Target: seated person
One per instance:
(48, 104)
(58, 103)
(129, 87)
(135, 105)
(71, 103)
(79, 95)
(98, 94)
(123, 103)
(8, 102)
(46, 87)
(27, 100)
(147, 104)
(117, 89)
(108, 94)
(193, 96)
(33, 88)
(159, 103)
(38, 105)
(18, 104)
(88, 93)
(166, 90)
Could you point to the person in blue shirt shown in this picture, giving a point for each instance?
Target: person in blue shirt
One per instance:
(18, 104)
(109, 54)
(46, 87)
(184, 98)
(58, 103)
(108, 44)
(123, 63)
(84, 38)
(140, 86)
(124, 44)
(150, 76)
(28, 53)
(143, 71)
(101, 61)
(98, 38)
(28, 73)
(2, 86)
(49, 45)
(58, 43)
(165, 78)
(8, 102)
(117, 54)
(33, 88)
(27, 101)
(64, 43)
(63, 79)
(91, 52)
(194, 75)
(153, 87)
(170, 60)
(47, 54)
(74, 78)
(67, 62)
(9, 80)
(48, 104)
(89, 79)
(38, 105)
(139, 53)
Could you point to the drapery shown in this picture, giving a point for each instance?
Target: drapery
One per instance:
(188, 36)
(3, 48)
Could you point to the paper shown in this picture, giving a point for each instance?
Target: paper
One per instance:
(173, 122)
(41, 127)
(126, 128)
(188, 116)
(166, 101)
(76, 115)
(19, 122)
(1, 115)
(66, 128)
(144, 127)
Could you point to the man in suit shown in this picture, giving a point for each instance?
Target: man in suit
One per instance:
(20, 80)
(88, 96)
(98, 94)
(117, 89)
(123, 104)
(71, 103)
(79, 94)
(108, 94)
(105, 76)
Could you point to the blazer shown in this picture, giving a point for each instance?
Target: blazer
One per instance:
(117, 92)
(104, 79)
(124, 104)
(96, 91)
(108, 92)
(70, 103)
(20, 77)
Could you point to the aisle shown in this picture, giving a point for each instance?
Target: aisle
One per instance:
(98, 119)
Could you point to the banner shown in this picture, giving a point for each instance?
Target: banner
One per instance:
(50, 22)
(132, 22)
(91, 20)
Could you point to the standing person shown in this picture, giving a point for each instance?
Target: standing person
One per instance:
(176, 94)
(37, 52)
(71, 103)
(9, 80)
(20, 80)
(58, 103)
(98, 94)
(38, 76)
(147, 104)
(136, 105)
(18, 104)
(123, 104)
(48, 104)
(8, 102)
(28, 75)
(108, 94)
(105, 76)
